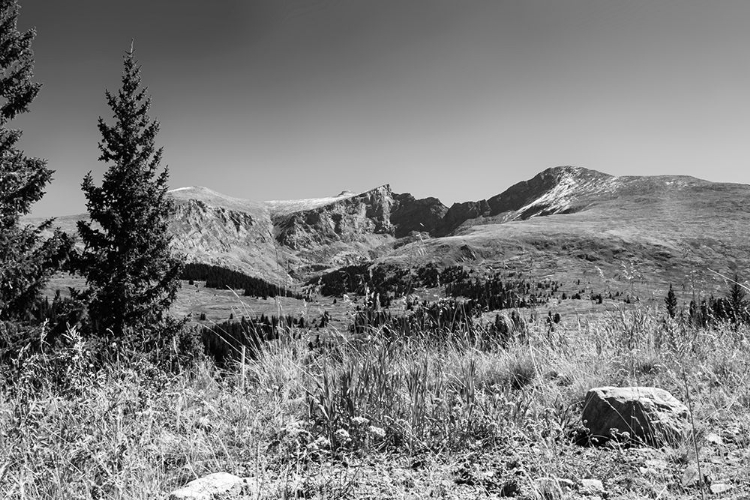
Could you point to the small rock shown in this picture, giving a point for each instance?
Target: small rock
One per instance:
(720, 488)
(592, 487)
(714, 438)
(648, 413)
(214, 486)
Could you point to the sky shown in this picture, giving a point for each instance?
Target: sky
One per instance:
(288, 99)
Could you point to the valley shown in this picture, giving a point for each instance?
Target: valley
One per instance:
(626, 238)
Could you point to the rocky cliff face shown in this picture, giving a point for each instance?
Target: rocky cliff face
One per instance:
(561, 219)
(283, 239)
(236, 238)
(555, 190)
(274, 239)
(347, 220)
(410, 214)
(460, 213)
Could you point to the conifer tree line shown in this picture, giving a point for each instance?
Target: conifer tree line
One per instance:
(712, 311)
(388, 282)
(224, 341)
(223, 278)
(131, 277)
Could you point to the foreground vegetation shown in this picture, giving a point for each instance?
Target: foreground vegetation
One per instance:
(377, 417)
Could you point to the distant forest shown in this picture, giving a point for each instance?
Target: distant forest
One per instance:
(224, 341)
(490, 291)
(220, 277)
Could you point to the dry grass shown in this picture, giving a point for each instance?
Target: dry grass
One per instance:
(378, 418)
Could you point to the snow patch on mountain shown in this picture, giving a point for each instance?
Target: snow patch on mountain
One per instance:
(555, 200)
(573, 185)
(215, 199)
(285, 207)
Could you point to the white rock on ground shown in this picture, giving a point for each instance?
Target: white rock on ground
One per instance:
(220, 485)
(592, 487)
(648, 413)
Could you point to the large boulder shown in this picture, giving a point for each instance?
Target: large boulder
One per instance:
(220, 485)
(650, 414)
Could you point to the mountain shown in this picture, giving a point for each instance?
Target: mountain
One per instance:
(581, 223)
(553, 191)
(212, 228)
(565, 220)
(296, 238)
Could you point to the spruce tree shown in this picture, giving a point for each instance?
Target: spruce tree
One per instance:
(671, 303)
(737, 300)
(132, 277)
(26, 260)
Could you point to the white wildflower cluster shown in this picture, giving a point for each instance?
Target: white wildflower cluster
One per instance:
(377, 432)
(293, 430)
(318, 445)
(360, 421)
(293, 438)
(342, 436)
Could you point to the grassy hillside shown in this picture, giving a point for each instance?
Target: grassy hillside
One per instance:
(668, 230)
(416, 417)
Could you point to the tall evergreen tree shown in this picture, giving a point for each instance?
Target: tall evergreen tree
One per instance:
(26, 260)
(131, 275)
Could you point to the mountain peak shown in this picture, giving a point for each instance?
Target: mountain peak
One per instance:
(573, 171)
(213, 198)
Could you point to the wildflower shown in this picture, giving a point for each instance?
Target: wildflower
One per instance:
(204, 423)
(342, 436)
(319, 444)
(377, 432)
(322, 442)
(360, 421)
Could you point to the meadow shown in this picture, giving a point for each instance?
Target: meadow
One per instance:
(383, 416)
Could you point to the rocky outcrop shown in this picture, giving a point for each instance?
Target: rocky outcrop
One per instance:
(220, 485)
(346, 220)
(238, 239)
(271, 239)
(409, 214)
(650, 414)
(460, 213)
(555, 190)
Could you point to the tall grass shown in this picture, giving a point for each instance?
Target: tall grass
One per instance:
(128, 430)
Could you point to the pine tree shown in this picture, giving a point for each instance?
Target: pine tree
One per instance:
(132, 277)
(737, 300)
(26, 260)
(671, 303)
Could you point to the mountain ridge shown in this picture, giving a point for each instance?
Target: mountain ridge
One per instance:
(571, 207)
